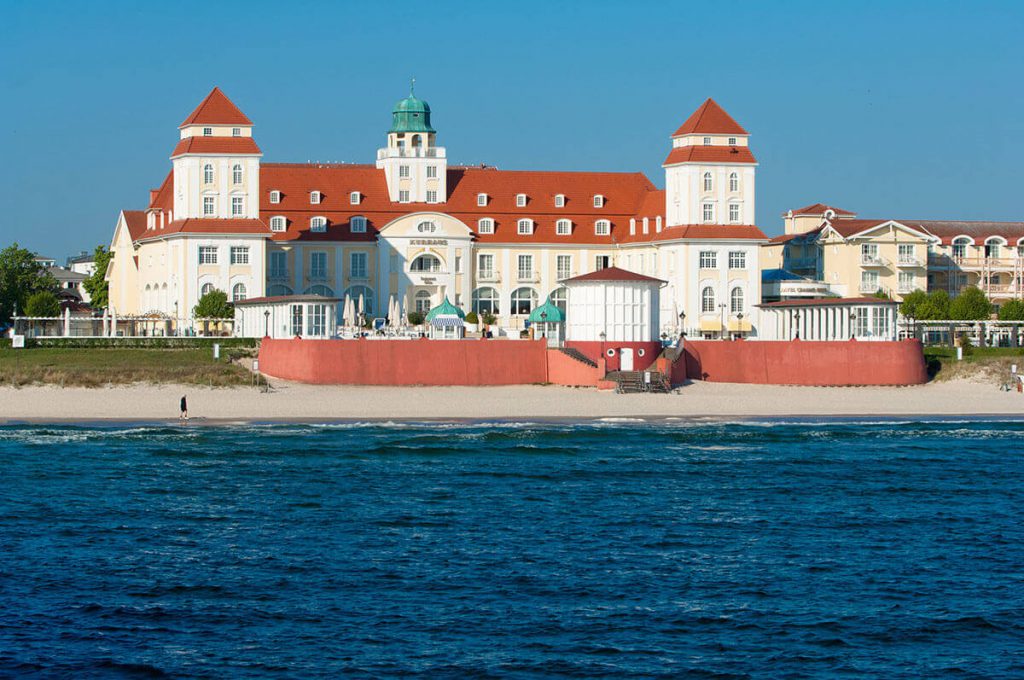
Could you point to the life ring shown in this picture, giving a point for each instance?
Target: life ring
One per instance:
(610, 352)
(640, 352)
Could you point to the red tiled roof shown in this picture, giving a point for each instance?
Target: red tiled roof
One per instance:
(209, 226)
(710, 154)
(710, 118)
(216, 109)
(848, 228)
(819, 302)
(819, 209)
(613, 274)
(229, 145)
(947, 230)
(786, 238)
(136, 222)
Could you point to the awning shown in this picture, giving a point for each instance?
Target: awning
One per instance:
(711, 325)
(447, 322)
(736, 326)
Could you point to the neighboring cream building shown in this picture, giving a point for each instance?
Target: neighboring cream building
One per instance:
(852, 256)
(415, 227)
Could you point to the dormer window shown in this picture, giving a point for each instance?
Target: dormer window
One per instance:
(563, 228)
(318, 224)
(207, 132)
(520, 200)
(236, 132)
(275, 196)
(358, 224)
(732, 141)
(354, 198)
(559, 200)
(525, 227)
(485, 225)
(598, 201)
(426, 227)
(481, 200)
(314, 197)
(707, 141)
(278, 223)
(602, 228)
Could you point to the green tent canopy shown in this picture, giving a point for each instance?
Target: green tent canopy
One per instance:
(554, 314)
(445, 309)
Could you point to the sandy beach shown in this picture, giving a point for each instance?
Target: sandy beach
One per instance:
(292, 401)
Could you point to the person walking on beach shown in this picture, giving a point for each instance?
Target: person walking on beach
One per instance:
(184, 409)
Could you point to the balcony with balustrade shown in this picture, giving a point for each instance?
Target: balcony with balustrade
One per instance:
(911, 262)
(411, 152)
(526, 276)
(868, 260)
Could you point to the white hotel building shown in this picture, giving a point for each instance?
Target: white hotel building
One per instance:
(412, 226)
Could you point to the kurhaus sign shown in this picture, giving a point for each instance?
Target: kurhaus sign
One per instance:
(429, 242)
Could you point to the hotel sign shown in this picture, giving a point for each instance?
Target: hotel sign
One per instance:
(429, 242)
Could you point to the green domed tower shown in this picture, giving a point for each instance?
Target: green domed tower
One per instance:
(415, 167)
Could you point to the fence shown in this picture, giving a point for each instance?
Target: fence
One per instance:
(109, 326)
(950, 331)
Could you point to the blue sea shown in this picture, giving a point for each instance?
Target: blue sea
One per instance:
(671, 549)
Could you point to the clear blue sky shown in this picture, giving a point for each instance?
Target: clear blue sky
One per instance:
(909, 109)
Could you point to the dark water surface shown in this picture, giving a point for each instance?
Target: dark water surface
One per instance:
(885, 549)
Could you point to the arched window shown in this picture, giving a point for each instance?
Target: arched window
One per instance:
(563, 228)
(485, 301)
(558, 298)
(278, 289)
(525, 227)
(278, 223)
(238, 292)
(993, 248)
(236, 173)
(708, 183)
(208, 174)
(734, 182)
(426, 227)
(368, 297)
(425, 263)
(358, 224)
(318, 224)
(320, 289)
(422, 301)
(736, 300)
(485, 225)
(207, 288)
(707, 299)
(602, 228)
(960, 246)
(523, 300)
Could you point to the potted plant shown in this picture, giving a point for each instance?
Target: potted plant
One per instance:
(472, 321)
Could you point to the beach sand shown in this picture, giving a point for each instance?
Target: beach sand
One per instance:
(292, 401)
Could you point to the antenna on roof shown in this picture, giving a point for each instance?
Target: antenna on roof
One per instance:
(412, 86)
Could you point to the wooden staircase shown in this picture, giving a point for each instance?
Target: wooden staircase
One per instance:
(632, 382)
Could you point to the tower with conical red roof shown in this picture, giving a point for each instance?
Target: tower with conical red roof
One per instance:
(709, 174)
(216, 163)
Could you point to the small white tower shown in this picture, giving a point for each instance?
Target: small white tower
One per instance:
(415, 168)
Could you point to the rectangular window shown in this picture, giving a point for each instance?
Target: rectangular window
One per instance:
(709, 212)
(734, 212)
(559, 201)
(525, 263)
(403, 170)
(732, 141)
(458, 264)
(403, 196)
(485, 266)
(906, 252)
(906, 282)
(431, 197)
(602, 262)
(860, 322)
(707, 141)
(316, 320)
(358, 265)
(209, 205)
(525, 227)
(318, 265)
(207, 254)
(520, 200)
(236, 132)
(237, 206)
(296, 320)
(563, 267)
(207, 132)
(431, 172)
(869, 282)
(868, 253)
(880, 323)
(598, 201)
(239, 254)
(275, 196)
(485, 226)
(481, 200)
(563, 228)
(737, 259)
(708, 259)
(353, 198)
(278, 265)
(602, 227)
(314, 197)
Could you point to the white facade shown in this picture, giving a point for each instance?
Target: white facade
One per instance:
(830, 320)
(625, 311)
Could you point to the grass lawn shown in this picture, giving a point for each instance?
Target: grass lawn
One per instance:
(985, 363)
(97, 367)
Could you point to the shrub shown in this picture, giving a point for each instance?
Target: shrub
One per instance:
(970, 305)
(938, 306)
(1012, 310)
(472, 318)
(43, 303)
(214, 305)
(489, 318)
(416, 318)
(910, 307)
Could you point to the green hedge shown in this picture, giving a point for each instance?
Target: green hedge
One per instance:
(135, 343)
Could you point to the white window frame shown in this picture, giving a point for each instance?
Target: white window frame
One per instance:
(481, 200)
(354, 198)
(602, 228)
(275, 196)
(708, 259)
(521, 200)
(732, 141)
(207, 132)
(709, 182)
(208, 174)
(278, 223)
(563, 272)
(598, 201)
(733, 307)
(239, 254)
(524, 274)
(426, 227)
(707, 141)
(431, 196)
(358, 224)
(315, 197)
(403, 171)
(403, 196)
(236, 132)
(485, 225)
(735, 214)
(208, 254)
(237, 206)
(559, 200)
(737, 259)
(237, 173)
(707, 212)
(524, 226)
(485, 271)
(209, 206)
(359, 265)
(431, 172)
(318, 224)
(734, 182)
(705, 307)
(563, 228)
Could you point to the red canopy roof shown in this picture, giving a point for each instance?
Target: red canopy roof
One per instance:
(710, 118)
(216, 109)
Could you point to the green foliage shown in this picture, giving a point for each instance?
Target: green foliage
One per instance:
(970, 305)
(937, 306)
(20, 277)
(214, 305)
(96, 285)
(966, 345)
(489, 318)
(912, 302)
(153, 342)
(43, 303)
(472, 318)
(416, 318)
(1012, 310)
(881, 295)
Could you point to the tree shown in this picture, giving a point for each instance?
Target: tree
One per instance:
(43, 303)
(937, 307)
(910, 307)
(970, 305)
(214, 305)
(1012, 310)
(20, 277)
(96, 285)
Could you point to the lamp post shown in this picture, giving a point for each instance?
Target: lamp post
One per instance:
(602, 335)
(266, 323)
(725, 323)
(543, 325)
(853, 317)
(739, 323)
(796, 323)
